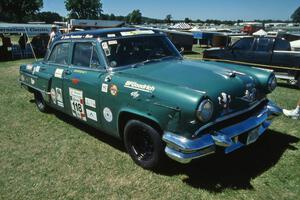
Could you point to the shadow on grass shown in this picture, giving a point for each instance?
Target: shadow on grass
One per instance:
(235, 171)
(112, 141)
(217, 172)
(287, 85)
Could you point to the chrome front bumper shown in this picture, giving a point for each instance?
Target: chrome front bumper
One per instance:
(184, 150)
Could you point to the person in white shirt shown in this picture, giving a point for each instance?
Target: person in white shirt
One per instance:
(54, 33)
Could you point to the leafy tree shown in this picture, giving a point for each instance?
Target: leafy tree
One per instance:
(84, 9)
(296, 15)
(48, 17)
(135, 17)
(187, 20)
(168, 19)
(16, 10)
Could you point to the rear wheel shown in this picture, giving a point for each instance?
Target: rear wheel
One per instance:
(144, 144)
(40, 102)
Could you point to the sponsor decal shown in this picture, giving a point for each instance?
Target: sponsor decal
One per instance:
(113, 90)
(250, 95)
(107, 114)
(58, 73)
(36, 69)
(79, 71)
(29, 67)
(77, 105)
(32, 81)
(59, 97)
(91, 114)
(140, 87)
(224, 100)
(137, 32)
(111, 35)
(90, 102)
(112, 42)
(88, 36)
(135, 94)
(104, 87)
(53, 95)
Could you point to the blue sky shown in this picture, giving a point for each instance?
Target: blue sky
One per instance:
(194, 9)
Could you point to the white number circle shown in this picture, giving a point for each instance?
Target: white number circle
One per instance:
(107, 114)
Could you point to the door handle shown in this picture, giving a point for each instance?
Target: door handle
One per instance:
(68, 72)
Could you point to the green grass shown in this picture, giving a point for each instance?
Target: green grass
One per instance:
(51, 156)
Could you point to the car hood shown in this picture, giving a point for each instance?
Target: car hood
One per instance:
(213, 79)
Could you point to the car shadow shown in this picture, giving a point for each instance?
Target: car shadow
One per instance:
(286, 85)
(100, 135)
(217, 172)
(236, 170)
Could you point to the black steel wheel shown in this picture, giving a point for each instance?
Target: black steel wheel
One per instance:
(144, 144)
(40, 102)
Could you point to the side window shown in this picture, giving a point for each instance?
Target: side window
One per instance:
(262, 44)
(282, 45)
(243, 44)
(59, 54)
(85, 55)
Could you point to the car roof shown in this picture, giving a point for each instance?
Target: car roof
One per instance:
(107, 33)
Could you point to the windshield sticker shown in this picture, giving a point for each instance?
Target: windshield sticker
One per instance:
(138, 32)
(32, 81)
(111, 35)
(140, 87)
(105, 48)
(104, 87)
(113, 90)
(59, 97)
(90, 102)
(58, 73)
(107, 114)
(77, 106)
(112, 42)
(91, 115)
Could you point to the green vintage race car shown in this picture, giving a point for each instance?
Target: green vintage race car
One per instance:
(134, 84)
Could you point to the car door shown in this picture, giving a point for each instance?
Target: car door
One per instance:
(58, 62)
(82, 83)
(242, 50)
(263, 50)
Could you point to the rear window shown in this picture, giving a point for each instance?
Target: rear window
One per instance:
(282, 45)
(263, 44)
(243, 44)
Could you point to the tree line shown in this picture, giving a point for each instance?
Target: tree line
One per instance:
(20, 11)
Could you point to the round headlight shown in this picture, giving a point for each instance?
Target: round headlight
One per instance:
(205, 110)
(272, 83)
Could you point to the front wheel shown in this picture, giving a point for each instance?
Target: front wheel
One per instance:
(144, 144)
(40, 103)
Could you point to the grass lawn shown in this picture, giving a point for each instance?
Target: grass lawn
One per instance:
(52, 156)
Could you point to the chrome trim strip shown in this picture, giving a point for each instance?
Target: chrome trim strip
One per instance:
(218, 120)
(35, 88)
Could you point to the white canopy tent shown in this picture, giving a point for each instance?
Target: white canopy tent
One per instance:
(261, 32)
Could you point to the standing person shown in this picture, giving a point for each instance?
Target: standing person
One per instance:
(54, 34)
(22, 43)
(294, 114)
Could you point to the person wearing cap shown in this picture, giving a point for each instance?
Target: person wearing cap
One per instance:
(54, 33)
(294, 114)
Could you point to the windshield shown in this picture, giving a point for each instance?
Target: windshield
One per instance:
(130, 51)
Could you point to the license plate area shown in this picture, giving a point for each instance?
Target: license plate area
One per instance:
(252, 136)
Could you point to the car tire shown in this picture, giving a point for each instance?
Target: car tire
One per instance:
(40, 103)
(144, 144)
